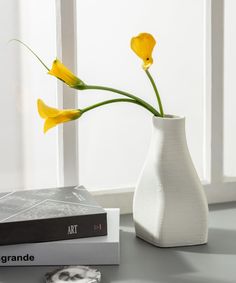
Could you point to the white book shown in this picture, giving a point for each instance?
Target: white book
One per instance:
(102, 250)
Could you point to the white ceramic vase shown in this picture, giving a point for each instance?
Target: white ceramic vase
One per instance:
(170, 207)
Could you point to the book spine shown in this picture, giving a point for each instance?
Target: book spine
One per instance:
(93, 253)
(56, 229)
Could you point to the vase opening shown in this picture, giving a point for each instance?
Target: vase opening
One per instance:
(169, 117)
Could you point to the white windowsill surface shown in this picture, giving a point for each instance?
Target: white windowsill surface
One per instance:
(141, 262)
(122, 198)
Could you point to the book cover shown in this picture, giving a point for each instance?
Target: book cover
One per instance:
(103, 250)
(49, 215)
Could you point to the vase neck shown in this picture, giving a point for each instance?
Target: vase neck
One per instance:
(169, 132)
(170, 125)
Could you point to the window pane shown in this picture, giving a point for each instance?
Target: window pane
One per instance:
(10, 140)
(28, 157)
(113, 141)
(38, 29)
(230, 90)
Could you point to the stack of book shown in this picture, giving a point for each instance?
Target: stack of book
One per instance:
(62, 226)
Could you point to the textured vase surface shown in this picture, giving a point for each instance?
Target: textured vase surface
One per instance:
(170, 207)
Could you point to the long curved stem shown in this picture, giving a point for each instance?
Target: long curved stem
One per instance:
(156, 92)
(111, 101)
(21, 42)
(135, 98)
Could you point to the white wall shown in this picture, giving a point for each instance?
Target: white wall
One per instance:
(113, 141)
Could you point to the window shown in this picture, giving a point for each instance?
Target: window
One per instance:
(28, 159)
(106, 149)
(113, 142)
(229, 91)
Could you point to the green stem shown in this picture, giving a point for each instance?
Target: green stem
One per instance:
(156, 92)
(14, 39)
(111, 101)
(135, 98)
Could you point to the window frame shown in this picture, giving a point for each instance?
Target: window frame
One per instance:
(66, 50)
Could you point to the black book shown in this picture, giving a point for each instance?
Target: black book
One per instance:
(45, 215)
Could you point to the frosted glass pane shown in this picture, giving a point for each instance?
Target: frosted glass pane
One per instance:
(28, 157)
(230, 90)
(39, 151)
(10, 135)
(113, 141)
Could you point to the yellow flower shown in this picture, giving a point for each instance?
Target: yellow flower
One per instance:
(143, 45)
(54, 116)
(61, 72)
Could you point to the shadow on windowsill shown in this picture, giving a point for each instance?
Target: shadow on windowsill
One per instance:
(222, 206)
(220, 241)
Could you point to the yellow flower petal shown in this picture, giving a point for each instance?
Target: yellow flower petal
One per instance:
(143, 45)
(63, 117)
(61, 72)
(49, 123)
(54, 116)
(46, 111)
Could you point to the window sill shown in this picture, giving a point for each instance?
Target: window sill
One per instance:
(142, 262)
(123, 197)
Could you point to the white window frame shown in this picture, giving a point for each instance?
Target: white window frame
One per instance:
(217, 187)
(67, 98)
